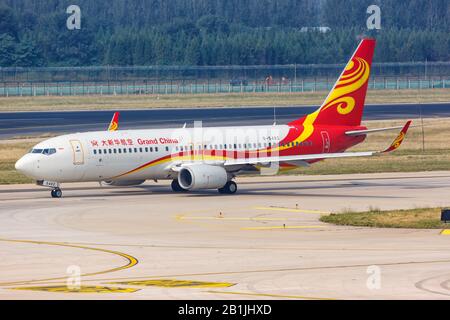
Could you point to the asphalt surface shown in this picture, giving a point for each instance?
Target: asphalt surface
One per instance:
(264, 242)
(35, 123)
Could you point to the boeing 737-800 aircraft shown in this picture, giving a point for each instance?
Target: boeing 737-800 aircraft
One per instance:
(210, 158)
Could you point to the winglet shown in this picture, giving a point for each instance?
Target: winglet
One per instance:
(398, 141)
(114, 125)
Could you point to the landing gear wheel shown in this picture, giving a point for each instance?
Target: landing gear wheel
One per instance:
(56, 193)
(229, 188)
(176, 186)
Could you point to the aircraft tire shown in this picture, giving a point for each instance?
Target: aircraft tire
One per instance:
(56, 193)
(229, 188)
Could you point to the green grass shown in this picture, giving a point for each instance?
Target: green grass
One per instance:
(10, 152)
(9, 175)
(421, 218)
(400, 161)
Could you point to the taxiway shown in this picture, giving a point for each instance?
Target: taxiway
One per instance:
(265, 242)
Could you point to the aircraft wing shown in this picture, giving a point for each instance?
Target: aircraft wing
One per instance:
(263, 160)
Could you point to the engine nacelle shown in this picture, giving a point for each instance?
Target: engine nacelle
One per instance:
(123, 183)
(202, 176)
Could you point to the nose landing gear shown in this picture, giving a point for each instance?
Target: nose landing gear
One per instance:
(56, 190)
(56, 193)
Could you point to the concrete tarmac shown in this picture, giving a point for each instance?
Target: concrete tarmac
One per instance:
(265, 242)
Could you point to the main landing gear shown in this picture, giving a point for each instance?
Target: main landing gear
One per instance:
(56, 193)
(229, 188)
(176, 186)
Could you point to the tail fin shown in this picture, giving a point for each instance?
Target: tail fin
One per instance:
(114, 125)
(345, 102)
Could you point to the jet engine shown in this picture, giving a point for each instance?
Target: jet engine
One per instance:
(202, 176)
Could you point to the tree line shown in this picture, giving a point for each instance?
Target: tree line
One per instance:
(218, 32)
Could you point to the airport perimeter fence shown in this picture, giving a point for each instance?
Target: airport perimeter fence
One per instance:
(211, 79)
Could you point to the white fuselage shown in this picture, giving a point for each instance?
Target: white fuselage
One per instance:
(137, 154)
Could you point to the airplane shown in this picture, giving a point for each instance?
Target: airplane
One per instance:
(210, 158)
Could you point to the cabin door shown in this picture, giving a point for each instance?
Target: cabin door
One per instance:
(326, 141)
(78, 153)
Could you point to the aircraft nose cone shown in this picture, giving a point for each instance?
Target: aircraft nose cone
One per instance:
(19, 165)
(24, 166)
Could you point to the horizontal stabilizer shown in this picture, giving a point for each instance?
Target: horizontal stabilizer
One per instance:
(364, 132)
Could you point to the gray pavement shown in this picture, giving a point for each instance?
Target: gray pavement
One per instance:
(265, 242)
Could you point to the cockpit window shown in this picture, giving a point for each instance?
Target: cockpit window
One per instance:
(47, 152)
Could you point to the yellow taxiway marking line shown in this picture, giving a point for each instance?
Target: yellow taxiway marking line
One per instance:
(283, 227)
(290, 210)
(269, 295)
(82, 289)
(230, 218)
(445, 232)
(173, 283)
(131, 261)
